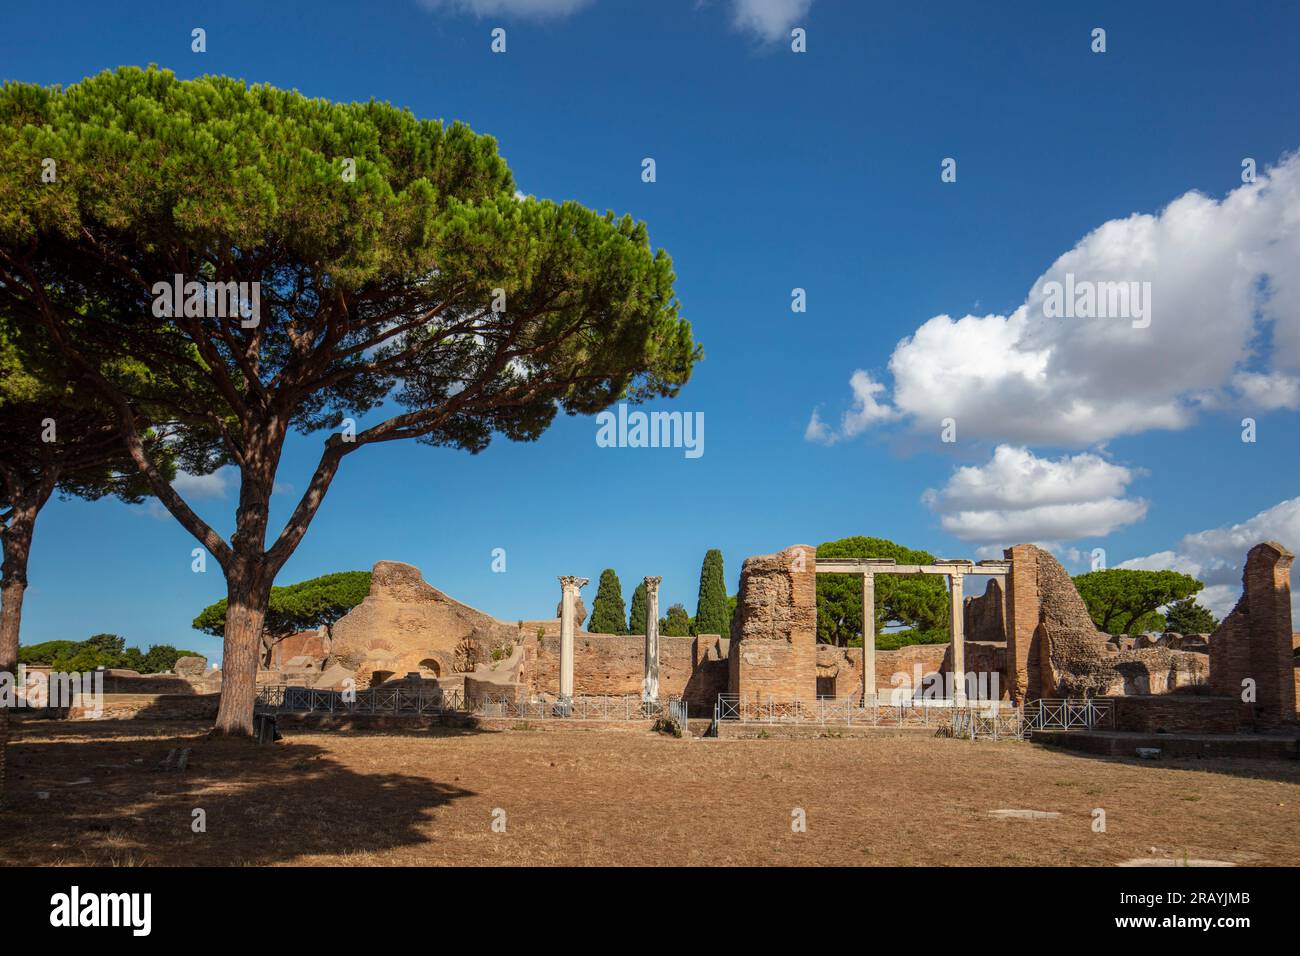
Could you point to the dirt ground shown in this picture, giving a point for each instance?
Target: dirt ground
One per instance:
(620, 797)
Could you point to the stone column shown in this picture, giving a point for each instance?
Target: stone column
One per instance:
(868, 638)
(650, 686)
(569, 587)
(957, 625)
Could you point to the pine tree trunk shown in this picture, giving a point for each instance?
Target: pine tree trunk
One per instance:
(17, 546)
(247, 595)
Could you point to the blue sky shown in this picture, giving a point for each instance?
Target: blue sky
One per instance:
(816, 170)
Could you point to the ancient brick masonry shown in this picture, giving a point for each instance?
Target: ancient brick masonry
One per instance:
(1255, 641)
(1055, 650)
(1175, 714)
(1022, 621)
(985, 614)
(694, 668)
(839, 669)
(773, 652)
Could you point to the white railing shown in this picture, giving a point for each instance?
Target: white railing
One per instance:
(1074, 713)
(679, 713)
(986, 723)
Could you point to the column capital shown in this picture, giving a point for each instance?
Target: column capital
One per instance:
(652, 583)
(570, 581)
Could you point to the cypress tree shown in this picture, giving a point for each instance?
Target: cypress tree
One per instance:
(608, 609)
(711, 613)
(636, 619)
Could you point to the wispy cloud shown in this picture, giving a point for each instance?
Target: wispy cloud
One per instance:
(769, 20)
(531, 9)
(214, 485)
(1216, 556)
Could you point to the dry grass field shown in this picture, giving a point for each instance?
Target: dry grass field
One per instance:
(620, 797)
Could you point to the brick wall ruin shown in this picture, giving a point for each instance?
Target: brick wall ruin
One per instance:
(1255, 641)
(1051, 649)
(694, 668)
(1022, 622)
(407, 625)
(839, 669)
(984, 614)
(1055, 650)
(773, 651)
(1176, 714)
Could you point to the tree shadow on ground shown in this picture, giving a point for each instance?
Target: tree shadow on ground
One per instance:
(1280, 770)
(110, 802)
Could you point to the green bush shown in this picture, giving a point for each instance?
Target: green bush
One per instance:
(102, 650)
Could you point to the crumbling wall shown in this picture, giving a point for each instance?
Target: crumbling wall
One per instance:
(1055, 650)
(1253, 646)
(313, 644)
(404, 623)
(1072, 653)
(984, 615)
(773, 651)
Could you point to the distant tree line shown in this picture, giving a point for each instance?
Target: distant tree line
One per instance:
(102, 650)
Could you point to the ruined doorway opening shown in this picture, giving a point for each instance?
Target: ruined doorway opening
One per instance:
(432, 667)
(378, 677)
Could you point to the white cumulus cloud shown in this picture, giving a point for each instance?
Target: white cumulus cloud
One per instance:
(1018, 497)
(1218, 555)
(1224, 330)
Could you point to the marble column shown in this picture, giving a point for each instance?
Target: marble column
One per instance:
(957, 623)
(570, 586)
(650, 686)
(868, 638)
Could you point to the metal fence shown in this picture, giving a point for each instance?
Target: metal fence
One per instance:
(395, 701)
(1075, 713)
(983, 723)
(679, 713)
(915, 712)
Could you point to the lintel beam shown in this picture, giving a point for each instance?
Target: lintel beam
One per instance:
(874, 566)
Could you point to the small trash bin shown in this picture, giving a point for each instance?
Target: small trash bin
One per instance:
(265, 729)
